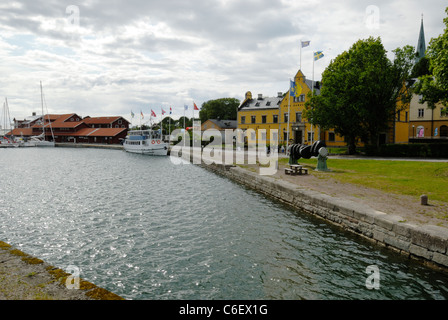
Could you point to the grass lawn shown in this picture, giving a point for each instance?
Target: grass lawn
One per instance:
(400, 177)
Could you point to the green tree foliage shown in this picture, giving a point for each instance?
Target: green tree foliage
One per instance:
(360, 90)
(434, 87)
(224, 109)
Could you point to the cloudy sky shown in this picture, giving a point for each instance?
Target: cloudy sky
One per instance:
(103, 58)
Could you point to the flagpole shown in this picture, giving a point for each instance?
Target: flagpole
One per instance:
(312, 94)
(185, 133)
(289, 110)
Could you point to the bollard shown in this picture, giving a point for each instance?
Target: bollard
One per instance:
(424, 200)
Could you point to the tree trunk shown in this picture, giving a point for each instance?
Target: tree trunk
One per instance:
(351, 143)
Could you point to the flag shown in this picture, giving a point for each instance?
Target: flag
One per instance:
(305, 44)
(295, 89)
(318, 55)
(132, 114)
(153, 114)
(141, 112)
(186, 107)
(292, 88)
(163, 112)
(195, 106)
(171, 110)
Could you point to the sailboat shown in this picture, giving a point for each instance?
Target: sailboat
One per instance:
(40, 140)
(7, 140)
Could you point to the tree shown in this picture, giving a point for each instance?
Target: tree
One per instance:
(224, 108)
(360, 92)
(434, 86)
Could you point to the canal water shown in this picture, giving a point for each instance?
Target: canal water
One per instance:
(145, 228)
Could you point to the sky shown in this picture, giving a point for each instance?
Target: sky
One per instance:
(108, 58)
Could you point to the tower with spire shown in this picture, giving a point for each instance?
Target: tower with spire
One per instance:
(421, 46)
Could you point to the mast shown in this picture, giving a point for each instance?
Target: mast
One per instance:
(43, 115)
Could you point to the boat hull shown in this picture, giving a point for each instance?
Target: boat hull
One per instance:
(159, 150)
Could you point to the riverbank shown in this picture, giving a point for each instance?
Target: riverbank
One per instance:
(23, 277)
(388, 220)
(89, 145)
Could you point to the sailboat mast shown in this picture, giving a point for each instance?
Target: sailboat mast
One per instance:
(43, 116)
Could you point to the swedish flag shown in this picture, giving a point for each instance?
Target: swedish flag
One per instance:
(318, 55)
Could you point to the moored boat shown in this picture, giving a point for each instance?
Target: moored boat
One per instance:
(149, 142)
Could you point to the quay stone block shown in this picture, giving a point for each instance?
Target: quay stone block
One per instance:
(398, 243)
(440, 258)
(432, 237)
(404, 229)
(387, 221)
(379, 234)
(369, 215)
(420, 252)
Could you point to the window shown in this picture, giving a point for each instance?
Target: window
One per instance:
(285, 117)
(298, 116)
(398, 116)
(252, 119)
(263, 119)
(331, 137)
(243, 120)
(268, 103)
(275, 118)
(310, 136)
(300, 98)
(263, 136)
(120, 121)
(252, 136)
(421, 113)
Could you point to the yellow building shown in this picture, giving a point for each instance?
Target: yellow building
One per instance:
(280, 113)
(426, 123)
(285, 114)
(272, 113)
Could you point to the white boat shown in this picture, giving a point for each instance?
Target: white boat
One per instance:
(149, 142)
(40, 140)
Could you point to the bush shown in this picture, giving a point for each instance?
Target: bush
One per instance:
(420, 150)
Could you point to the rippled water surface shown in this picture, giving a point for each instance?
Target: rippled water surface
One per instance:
(145, 228)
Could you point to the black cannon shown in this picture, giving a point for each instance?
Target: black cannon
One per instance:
(297, 151)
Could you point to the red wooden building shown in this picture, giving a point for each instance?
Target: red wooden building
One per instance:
(73, 128)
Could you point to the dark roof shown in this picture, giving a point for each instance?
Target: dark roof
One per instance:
(225, 124)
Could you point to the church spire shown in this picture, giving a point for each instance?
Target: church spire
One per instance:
(421, 46)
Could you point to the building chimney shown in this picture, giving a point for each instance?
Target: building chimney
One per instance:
(279, 94)
(260, 96)
(34, 114)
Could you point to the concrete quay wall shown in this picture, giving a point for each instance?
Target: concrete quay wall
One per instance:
(427, 243)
